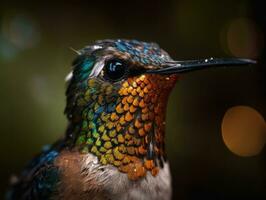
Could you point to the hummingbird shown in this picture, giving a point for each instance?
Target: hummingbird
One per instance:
(114, 148)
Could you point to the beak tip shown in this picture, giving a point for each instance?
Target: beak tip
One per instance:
(248, 61)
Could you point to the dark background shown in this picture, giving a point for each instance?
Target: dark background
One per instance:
(35, 57)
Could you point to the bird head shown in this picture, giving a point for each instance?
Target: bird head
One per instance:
(116, 102)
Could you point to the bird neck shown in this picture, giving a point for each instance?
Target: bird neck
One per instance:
(125, 129)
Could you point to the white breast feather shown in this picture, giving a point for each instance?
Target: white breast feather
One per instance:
(116, 185)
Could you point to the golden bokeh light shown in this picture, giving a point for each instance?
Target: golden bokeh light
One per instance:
(244, 131)
(242, 38)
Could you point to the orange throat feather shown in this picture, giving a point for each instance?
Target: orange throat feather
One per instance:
(124, 125)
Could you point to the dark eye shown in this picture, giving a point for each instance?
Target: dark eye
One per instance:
(115, 69)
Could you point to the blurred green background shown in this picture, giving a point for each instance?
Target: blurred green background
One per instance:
(35, 57)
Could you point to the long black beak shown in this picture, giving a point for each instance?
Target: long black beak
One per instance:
(178, 67)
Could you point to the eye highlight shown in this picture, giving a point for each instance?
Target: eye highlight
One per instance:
(115, 69)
